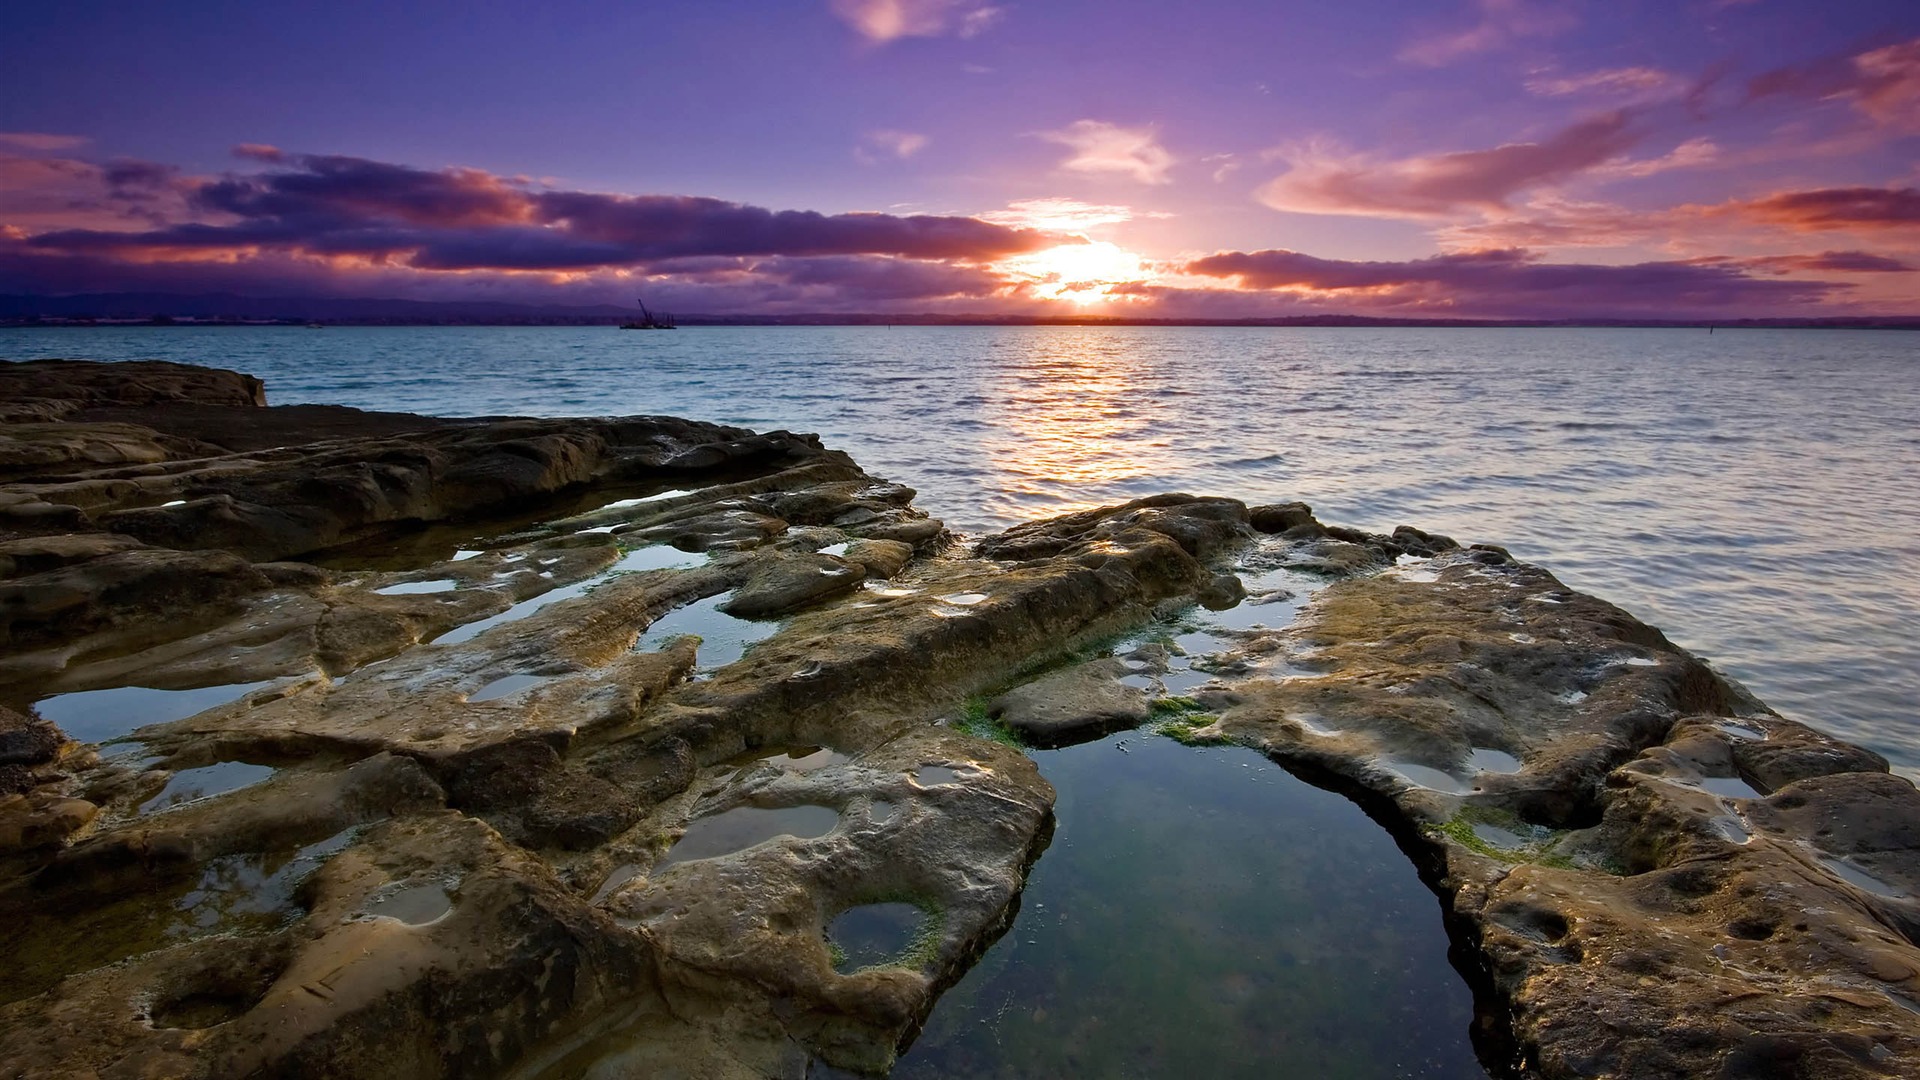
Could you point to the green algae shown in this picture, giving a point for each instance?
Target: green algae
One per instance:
(975, 721)
(1479, 828)
(1183, 720)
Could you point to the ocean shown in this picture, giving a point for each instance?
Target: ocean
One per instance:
(1754, 493)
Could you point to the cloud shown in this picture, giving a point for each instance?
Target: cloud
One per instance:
(1224, 165)
(1831, 262)
(1882, 84)
(38, 193)
(1692, 154)
(1821, 209)
(344, 226)
(42, 141)
(1439, 185)
(1640, 84)
(1501, 23)
(888, 20)
(1063, 215)
(1103, 148)
(458, 219)
(878, 146)
(1889, 216)
(1515, 282)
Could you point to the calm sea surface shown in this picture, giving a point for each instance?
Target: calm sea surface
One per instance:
(1756, 494)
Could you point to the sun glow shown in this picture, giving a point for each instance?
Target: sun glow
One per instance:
(1082, 274)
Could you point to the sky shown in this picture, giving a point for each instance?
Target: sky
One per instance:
(1403, 158)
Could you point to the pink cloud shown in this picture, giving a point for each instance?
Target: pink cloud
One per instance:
(1828, 262)
(42, 141)
(1101, 148)
(1867, 208)
(38, 193)
(878, 146)
(1883, 84)
(1501, 23)
(882, 21)
(1512, 282)
(1634, 83)
(1440, 185)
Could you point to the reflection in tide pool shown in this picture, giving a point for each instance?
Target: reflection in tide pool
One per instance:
(723, 638)
(1201, 912)
(100, 715)
(745, 826)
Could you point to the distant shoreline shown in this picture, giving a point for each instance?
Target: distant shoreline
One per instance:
(1899, 322)
(122, 309)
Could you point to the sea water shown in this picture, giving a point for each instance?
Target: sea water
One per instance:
(1754, 493)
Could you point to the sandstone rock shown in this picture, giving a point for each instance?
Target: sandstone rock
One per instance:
(1079, 704)
(1280, 517)
(468, 829)
(786, 582)
(879, 558)
(27, 740)
(1672, 914)
(49, 389)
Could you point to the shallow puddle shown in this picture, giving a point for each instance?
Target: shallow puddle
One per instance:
(651, 557)
(622, 874)
(1730, 787)
(791, 759)
(234, 894)
(1201, 912)
(1492, 761)
(1504, 839)
(408, 587)
(874, 934)
(501, 687)
(932, 775)
(744, 826)
(1859, 878)
(723, 638)
(622, 504)
(1731, 829)
(1430, 778)
(100, 715)
(191, 785)
(418, 905)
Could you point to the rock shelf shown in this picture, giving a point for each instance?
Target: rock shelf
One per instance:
(431, 828)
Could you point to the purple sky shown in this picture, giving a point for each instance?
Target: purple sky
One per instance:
(1419, 158)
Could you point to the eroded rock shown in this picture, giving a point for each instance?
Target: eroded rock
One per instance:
(449, 819)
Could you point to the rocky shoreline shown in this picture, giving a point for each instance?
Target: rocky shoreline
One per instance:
(425, 779)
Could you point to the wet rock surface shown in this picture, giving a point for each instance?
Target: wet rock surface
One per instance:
(359, 750)
(1661, 876)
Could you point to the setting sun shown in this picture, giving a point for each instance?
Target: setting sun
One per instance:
(1078, 273)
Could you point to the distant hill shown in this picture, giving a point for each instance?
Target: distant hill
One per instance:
(23, 309)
